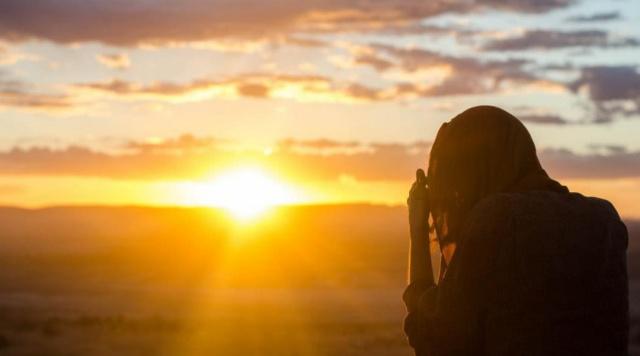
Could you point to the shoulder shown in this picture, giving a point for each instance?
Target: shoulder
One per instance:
(602, 207)
(536, 211)
(541, 203)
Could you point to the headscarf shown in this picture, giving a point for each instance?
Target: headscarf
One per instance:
(482, 151)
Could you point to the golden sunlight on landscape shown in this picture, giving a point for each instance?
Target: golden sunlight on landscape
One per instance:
(236, 178)
(245, 192)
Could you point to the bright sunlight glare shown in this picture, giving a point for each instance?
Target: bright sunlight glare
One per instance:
(245, 192)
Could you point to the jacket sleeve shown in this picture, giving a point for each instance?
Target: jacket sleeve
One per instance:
(420, 299)
(448, 320)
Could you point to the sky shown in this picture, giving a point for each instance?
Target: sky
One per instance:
(151, 102)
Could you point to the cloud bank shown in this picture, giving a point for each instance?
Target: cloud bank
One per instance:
(189, 157)
(131, 23)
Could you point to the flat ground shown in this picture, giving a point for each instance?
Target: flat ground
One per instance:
(140, 281)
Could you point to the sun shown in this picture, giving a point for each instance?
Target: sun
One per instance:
(245, 192)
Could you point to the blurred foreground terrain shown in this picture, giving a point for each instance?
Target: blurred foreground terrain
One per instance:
(316, 280)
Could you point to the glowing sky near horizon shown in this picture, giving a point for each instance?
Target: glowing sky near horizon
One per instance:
(119, 102)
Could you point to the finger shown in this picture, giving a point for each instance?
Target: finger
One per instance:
(421, 179)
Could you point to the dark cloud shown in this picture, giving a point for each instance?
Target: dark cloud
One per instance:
(597, 17)
(127, 23)
(567, 164)
(549, 39)
(544, 119)
(592, 115)
(422, 29)
(614, 91)
(606, 83)
(534, 6)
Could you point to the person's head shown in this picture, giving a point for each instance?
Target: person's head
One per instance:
(482, 151)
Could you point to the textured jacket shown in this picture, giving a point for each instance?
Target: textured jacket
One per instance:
(536, 273)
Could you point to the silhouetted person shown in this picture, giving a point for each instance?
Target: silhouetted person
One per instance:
(529, 268)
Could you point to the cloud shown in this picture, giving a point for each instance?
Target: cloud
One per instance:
(606, 83)
(461, 76)
(302, 88)
(115, 61)
(158, 89)
(597, 17)
(424, 74)
(544, 119)
(130, 23)
(18, 95)
(318, 144)
(447, 75)
(191, 157)
(618, 163)
(184, 143)
(608, 148)
(378, 63)
(34, 101)
(614, 90)
(304, 42)
(486, 77)
(531, 6)
(549, 39)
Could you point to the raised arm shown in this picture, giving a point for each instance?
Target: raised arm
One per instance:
(420, 269)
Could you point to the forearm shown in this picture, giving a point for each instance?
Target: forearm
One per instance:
(420, 261)
(420, 271)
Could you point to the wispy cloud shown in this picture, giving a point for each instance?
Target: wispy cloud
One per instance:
(115, 61)
(551, 39)
(291, 87)
(16, 94)
(544, 119)
(597, 17)
(454, 75)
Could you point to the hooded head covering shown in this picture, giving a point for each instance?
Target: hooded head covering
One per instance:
(482, 151)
